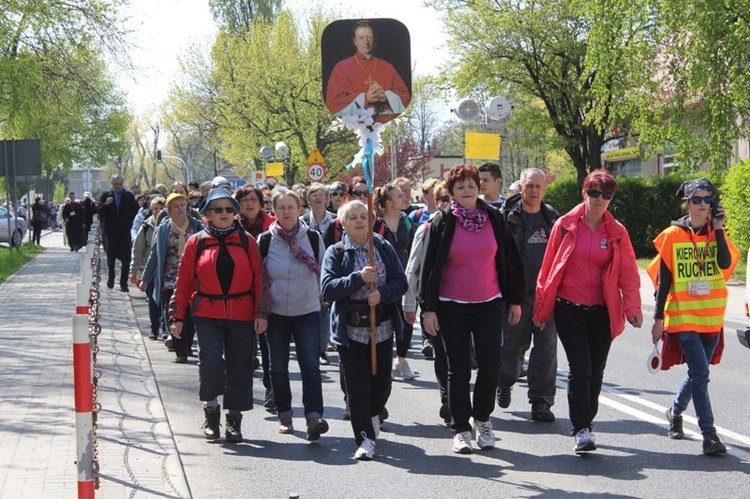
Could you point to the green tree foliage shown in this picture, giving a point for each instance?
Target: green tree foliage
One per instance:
(682, 72)
(735, 196)
(54, 84)
(532, 48)
(236, 16)
(269, 89)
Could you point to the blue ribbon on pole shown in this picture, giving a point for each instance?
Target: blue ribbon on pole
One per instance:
(368, 165)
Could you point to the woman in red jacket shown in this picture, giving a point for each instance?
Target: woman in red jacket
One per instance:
(589, 280)
(220, 278)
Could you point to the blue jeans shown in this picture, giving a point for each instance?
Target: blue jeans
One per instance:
(325, 327)
(305, 329)
(697, 349)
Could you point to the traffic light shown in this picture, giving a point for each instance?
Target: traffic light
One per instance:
(158, 155)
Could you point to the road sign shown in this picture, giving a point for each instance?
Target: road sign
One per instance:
(241, 173)
(315, 158)
(316, 172)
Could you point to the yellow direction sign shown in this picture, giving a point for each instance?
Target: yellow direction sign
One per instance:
(315, 157)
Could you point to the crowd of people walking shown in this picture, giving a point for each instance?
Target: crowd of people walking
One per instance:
(338, 268)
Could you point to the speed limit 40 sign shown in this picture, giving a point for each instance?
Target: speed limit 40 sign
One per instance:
(316, 172)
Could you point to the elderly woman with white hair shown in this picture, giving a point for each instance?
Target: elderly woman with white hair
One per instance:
(345, 281)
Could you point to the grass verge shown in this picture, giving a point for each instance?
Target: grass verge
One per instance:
(13, 259)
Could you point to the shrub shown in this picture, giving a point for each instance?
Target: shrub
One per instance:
(735, 196)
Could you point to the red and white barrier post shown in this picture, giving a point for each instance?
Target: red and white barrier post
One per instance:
(83, 376)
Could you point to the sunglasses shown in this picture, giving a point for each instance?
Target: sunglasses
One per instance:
(697, 199)
(337, 194)
(595, 193)
(444, 199)
(267, 201)
(222, 209)
(359, 194)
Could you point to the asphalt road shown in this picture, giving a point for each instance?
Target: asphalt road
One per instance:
(414, 458)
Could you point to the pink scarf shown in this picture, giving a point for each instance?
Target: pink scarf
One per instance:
(471, 220)
(291, 239)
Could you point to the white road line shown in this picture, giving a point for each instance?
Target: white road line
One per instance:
(660, 420)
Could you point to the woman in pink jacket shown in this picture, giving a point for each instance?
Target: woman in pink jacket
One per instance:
(589, 281)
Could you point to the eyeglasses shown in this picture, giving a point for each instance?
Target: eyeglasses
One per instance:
(359, 194)
(595, 193)
(444, 199)
(267, 201)
(222, 209)
(249, 199)
(697, 199)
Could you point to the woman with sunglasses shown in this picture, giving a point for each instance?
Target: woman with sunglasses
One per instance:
(390, 203)
(255, 220)
(219, 282)
(471, 276)
(336, 193)
(589, 282)
(695, 259)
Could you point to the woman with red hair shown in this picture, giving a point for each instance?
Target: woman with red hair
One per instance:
(471, 273)
(589, 281)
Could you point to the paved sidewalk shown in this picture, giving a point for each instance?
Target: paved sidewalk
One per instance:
(137, 454)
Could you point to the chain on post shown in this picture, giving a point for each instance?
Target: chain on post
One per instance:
(94, 330)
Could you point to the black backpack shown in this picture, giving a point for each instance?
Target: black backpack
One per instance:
(313, 236)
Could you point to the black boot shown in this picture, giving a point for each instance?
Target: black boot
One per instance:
(234, 427)
(211, 425)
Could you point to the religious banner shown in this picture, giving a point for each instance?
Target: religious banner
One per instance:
(366, 64)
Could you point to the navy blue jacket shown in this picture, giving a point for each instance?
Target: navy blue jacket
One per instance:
(338, 282)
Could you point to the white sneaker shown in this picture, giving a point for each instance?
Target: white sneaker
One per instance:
(462, 443)
(366, 450)
(585, 441)
(376, 426)
(401, 368)
(484, 436)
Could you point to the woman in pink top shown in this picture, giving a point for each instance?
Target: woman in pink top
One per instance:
(471, 273)
(590, 282)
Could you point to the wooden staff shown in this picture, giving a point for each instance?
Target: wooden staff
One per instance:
(371, 255)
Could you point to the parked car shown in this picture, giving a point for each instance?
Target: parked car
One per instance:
(18, 228)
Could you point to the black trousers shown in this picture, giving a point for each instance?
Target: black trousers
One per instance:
(118, 248)
(367, 394)
(459, 323)
(403, 343)
(226, 367)
(183, 346)
(586, 337)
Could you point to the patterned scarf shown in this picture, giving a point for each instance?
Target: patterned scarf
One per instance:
(471, 220)
(254, 227)
(221, 233)
(180, 231)
(291, 239)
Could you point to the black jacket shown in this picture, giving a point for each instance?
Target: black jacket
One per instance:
(117, 221)
(510, 274)
(512, 212)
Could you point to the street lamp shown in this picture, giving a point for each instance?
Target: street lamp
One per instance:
(279, 153)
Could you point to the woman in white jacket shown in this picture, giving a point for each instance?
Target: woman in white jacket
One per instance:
(292, 255)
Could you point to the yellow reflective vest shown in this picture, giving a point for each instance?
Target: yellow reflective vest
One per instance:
(698, 293)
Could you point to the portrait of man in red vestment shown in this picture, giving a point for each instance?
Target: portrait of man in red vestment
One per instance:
(366, 79)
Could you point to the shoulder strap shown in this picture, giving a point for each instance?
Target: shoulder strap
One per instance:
(313, 236)
(265, 242)
(407, 221)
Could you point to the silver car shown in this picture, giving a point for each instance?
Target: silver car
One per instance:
(18, 228)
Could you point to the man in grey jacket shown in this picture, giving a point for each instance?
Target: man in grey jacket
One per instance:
(530, 221)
